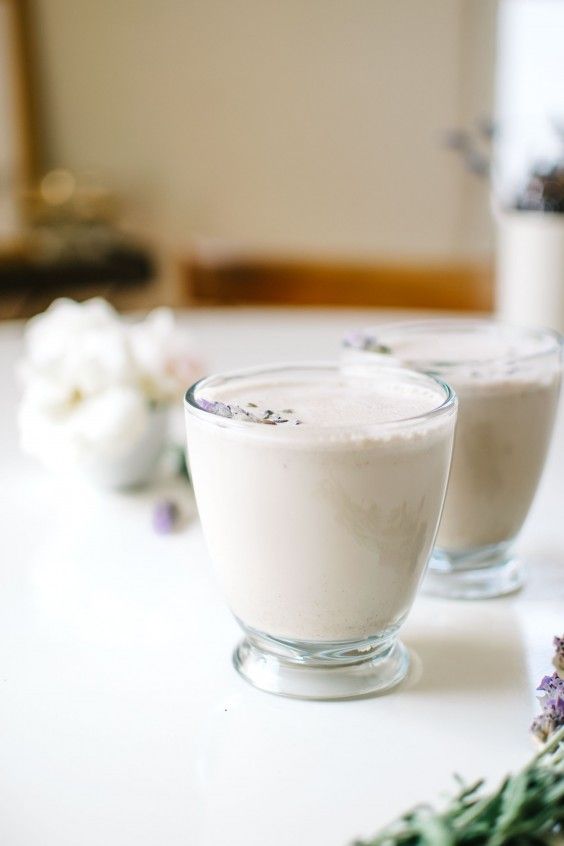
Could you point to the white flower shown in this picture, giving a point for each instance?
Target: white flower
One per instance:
(79, 348)
(49, 335)
(164, 356)
(91, 379)
(102, 426)
(111, 421)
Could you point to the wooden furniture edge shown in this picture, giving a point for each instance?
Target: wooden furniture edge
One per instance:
(261, 281)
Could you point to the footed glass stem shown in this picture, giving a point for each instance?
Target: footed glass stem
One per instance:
(321, 671)
(480, 574)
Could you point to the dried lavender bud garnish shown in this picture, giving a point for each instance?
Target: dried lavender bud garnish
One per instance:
(236, 412)
(215, 407)
(357, 340)
(558, 659)
(165, 516)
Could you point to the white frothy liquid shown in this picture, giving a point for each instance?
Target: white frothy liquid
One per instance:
(321, 531)
(507, 384)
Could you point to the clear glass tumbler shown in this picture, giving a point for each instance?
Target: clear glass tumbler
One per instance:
(507, 381)
(320, 533)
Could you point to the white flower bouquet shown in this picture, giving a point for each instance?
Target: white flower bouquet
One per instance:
(97, 388)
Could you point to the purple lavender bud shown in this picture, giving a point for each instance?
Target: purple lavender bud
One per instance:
(215, 407)
(558, 660)
(552, 684)
(358, 340)
(165, 515)
(551, 718)
(553, 708)
(206, 405)
(237, 412)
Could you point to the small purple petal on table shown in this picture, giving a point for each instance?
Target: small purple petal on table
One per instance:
(165, 515)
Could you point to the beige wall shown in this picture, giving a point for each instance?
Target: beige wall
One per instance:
(300, 124)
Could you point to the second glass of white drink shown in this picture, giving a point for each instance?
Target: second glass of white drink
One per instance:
(320, 489)
(507, 380)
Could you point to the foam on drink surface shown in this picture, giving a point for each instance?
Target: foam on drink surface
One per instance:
(482, 358)
(344, 401)
(457, 347)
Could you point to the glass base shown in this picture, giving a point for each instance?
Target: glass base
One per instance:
(481, 574)
(321, 671)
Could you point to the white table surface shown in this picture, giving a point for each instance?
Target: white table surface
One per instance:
(122, 722)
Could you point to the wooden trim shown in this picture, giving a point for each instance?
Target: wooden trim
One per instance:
(23, 57)
(260, 281)
(21, 124)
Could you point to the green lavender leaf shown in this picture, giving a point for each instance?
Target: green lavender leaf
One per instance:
(435, 832)
(526, 810)
(511, 805)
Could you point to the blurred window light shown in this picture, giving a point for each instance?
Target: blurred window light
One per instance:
(529, 89)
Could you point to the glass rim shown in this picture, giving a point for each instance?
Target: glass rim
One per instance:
(438, 324)
(448, 403)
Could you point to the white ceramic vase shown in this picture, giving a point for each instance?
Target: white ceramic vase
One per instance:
(530, 268)
(137, 466)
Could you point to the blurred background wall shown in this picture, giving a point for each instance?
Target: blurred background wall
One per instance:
(308, 127)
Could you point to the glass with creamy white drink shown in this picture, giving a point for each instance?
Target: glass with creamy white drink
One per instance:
(507, 381)
(320, 491)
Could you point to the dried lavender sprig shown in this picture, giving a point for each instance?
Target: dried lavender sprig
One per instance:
(551, 717)
(359, 340)
(237, 412)
(527, 808)
(551, 700)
